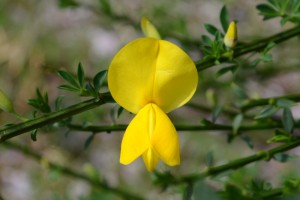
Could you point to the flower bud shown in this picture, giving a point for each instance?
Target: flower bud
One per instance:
(149, 29)
(230, 38)
(5, 103)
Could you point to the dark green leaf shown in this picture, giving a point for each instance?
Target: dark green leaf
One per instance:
(232, 192)
(203, 191)
(120, 111)
(99, 80)
(224, 19)
(237, 121)
(69, 88)
(211, 29)
(288, 120)
(281, 157)
(284, 103)
(89, 141)
(209, 159)
(188, 192)
(206, 40)
(105, 7)
(91, 90)
(216, 112)
(33, 134)
(67, 3)
(58, 102)
(224, 70)
(269, 47)
(280, 136)
(267, 111)
(206, 122)
(230, 137)
(69, 78)
(80, 75)
(267, 11)
(266, 57)
(247, 140)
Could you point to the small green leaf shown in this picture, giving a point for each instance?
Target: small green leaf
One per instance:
(209, 158)
(280, 136)
(69, 88)
(224, 19)
(5, 103)
(203, 191)
(216, 112)
(188, 192)
(211, 29)
(267, 57)
(288, 120)
(224, 70)
(282, 157)
(120, 111)
(80, 75)
(99, 80)
(247, 140)
(33, 134)
(284, 103)
(267, 111)
(105, 7)
(58, 102)
(237, 121)
(91, 90)
(89, 141)
(267, 11)
(67, 3)
(206, 40)
(230, 138)
(69, 78)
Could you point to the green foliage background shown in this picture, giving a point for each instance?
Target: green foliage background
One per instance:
(246, 102)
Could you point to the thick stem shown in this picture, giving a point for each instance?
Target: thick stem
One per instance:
(12, 131)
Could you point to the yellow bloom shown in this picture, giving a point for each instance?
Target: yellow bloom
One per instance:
(151, 77)
(230, 38)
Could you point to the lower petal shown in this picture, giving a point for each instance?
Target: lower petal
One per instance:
(136, 138)
(150, 159)
(164, 138)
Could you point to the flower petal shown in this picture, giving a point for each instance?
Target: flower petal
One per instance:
(176, 77)
(164, 139)
(149, 70)
(136, 139)
(150, 159)
(131, 74)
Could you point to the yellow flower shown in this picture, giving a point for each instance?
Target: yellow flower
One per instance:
(230, 38)
(151, 77)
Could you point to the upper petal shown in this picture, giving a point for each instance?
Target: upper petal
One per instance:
(176, 77)
(131, 74)
(149, 70)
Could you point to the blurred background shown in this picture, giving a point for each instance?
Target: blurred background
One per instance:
(40, 37)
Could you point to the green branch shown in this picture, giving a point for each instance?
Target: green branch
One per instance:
(235, 164)
(251, 47)
(15, 130)
(210, 127)
(266, 101)
(69, 172)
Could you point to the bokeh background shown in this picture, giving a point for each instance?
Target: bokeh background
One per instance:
(39, 37)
